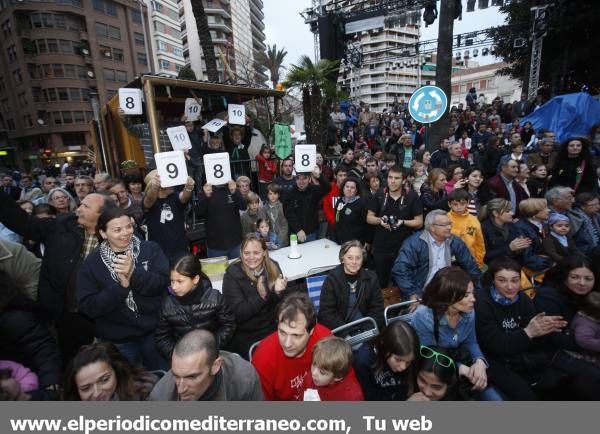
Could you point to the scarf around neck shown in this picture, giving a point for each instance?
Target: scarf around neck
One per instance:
(502, 300)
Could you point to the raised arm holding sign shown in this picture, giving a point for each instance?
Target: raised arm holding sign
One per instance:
(217, 168)
(236, 114)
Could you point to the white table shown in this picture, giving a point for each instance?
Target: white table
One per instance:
(315, 254)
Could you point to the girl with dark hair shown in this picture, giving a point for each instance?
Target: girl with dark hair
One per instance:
(478, 195)
(574, 166)
(120, 285)
(387, 369)
(565, 286)
(537, 184)
(135, 187)
(252, 289)
(350, 213)
(192, 303)
(446, 318)
(511, 332)
(99, 372)
(437, 377)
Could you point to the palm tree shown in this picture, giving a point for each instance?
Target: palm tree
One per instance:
(311, 78)
(273, 61)
(208, 48)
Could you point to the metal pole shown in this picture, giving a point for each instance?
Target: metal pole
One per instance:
(536, 55)
(148, 58)
(96, 111)
(152, 115)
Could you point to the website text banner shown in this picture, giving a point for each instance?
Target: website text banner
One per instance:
(309, 417)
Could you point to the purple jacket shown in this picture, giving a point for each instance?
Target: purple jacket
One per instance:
(587, 332)
(26, 378)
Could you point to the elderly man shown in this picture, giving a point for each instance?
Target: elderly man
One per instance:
(426, 252)
(455, 156)
(505, 186)
(102, 182)
(560, 199)
(68, 240)
(200, 372)
(84, 185)
(546, 154)
(48, 184)
(283, 359)
(301, 206)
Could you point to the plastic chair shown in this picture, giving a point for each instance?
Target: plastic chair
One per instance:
(357, 332)
(399, 307)
(314, 283)
(252, 349)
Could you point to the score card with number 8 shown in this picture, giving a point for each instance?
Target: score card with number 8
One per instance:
(217, 168)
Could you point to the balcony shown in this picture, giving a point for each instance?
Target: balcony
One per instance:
(217, 11)
(221, 26)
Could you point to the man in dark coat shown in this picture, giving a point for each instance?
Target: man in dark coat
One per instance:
(505, 186)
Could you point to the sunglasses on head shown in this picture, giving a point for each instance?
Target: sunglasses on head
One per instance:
(441, 359)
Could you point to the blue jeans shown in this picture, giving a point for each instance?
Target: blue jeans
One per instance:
(489, 394)
(312, 236)
(143, 351)
(232, 253)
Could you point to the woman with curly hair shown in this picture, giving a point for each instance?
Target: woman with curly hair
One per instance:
(574, 166)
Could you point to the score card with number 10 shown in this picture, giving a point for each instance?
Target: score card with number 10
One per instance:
(171, 168)
(217, 168)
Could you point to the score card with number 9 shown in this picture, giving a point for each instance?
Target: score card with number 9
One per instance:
(217, 168)
(171, 168)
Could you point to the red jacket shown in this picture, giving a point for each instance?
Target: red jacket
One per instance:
(266, 168)
(282, 378)
(348, 389)
(329, 202)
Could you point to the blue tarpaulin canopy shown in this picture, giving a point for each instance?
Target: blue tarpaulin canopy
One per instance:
(569, 115)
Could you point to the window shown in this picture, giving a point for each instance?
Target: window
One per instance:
(85, 94)
(98, 5)
(60, 21)
(22, 97)
(57, 70)
(10, 124)
(36, 93)
(52, 45)
(157, 6)
(27, 121)
(106, 6)
(122, 76)
(41, 46)
(70, 71)
(136, 16)
(4, 106)
(142, 59)
(2, 85)
(63, 94)
(48, 21)
(73, 139)
(12, 53)
(17, 76)
(118, 55)
(7, 27)
(164, 64)
(114, 32)
(78, 117)
(139, 39)
(66, 46)
(56, 117)
(67, 117)
(101, 29)
(109, 74)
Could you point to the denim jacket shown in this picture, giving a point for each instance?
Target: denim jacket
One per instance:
(463, 334)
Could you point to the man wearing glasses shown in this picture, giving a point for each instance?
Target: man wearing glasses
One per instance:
(426, 252)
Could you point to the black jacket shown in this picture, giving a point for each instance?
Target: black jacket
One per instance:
(202, 308)
(432, 200)
(254, 317)
(554, 301)
(351, 221)
(104, 299)
(222, 213)
(333, 308)
(63, 241)
(501, 329)
(496, 241)
(301, 208)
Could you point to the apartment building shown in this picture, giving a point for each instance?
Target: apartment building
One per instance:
(165, 31)
(55, 57)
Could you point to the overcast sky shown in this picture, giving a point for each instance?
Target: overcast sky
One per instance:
(285, 27)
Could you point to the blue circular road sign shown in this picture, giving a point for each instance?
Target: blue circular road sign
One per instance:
(428, 104)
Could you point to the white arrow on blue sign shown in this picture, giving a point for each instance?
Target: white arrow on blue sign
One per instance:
(428, 104)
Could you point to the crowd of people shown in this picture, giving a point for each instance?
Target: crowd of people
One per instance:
(491, 236)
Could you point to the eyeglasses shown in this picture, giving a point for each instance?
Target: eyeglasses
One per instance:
(441, 359)
(60, 198)
(442, 224)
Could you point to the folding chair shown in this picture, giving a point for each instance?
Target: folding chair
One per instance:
(357, 332)
(397, 308)
(314, 282)
(252, 350)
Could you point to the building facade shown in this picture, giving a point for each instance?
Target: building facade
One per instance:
(165, 30)
(485, 81)
(237, 32)
(56, 57)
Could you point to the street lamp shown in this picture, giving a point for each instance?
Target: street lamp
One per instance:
(96, 111)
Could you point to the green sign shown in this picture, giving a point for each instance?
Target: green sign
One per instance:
(283, 141)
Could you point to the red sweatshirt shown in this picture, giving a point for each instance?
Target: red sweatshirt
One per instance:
(266, 168)
(348, 389)
(282, 378)
(329, 203)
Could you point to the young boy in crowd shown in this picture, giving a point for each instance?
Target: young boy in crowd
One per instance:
(252, 214)
(466, 226)
(274, 210)
(332, 377)
(559, 243)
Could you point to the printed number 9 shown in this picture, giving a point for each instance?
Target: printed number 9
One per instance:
(129, 103)
(218, 171)
(305, 160)
(172, 170)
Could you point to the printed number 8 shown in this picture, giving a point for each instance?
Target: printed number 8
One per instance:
(172, 170)
(129, 103)
(218, 171)
(305, 161)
